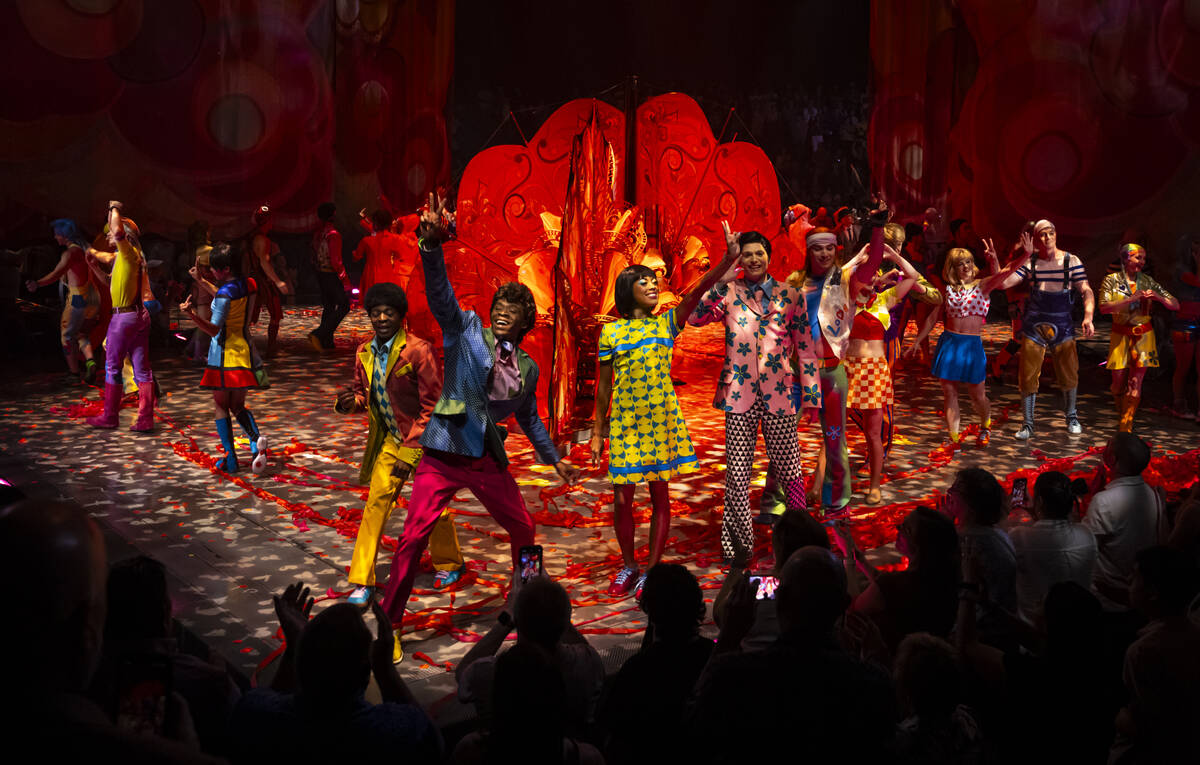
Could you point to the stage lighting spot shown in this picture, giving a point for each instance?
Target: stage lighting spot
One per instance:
(1051, 162)
(235, 122)
(912, 161)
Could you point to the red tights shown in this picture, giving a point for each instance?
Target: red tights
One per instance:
(660, 521)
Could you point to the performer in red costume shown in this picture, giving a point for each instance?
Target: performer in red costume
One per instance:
(331, 278)
(270, 286)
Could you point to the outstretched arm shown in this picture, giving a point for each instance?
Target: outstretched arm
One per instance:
(34, 284)
(996, 279)
(910, 275)
(692, 299)
(431, 232)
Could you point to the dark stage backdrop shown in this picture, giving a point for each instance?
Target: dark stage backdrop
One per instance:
(205, 109)
(1086, 112)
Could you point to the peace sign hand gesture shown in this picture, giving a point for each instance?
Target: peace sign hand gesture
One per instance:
(434, 219)
(732, 248)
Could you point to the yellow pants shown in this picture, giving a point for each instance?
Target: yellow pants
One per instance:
(1064, 359)
(443, 543)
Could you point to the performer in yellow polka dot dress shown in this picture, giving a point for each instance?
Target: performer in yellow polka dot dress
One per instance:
(648, 439)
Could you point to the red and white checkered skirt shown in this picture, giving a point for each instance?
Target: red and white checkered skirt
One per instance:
(870, 383)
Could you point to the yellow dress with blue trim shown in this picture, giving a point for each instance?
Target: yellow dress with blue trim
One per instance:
(648, 439)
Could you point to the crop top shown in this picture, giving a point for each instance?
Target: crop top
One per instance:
(961, 303)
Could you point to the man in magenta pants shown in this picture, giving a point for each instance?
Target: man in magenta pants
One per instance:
(487, 379)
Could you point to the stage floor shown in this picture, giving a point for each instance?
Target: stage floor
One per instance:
(229, 544)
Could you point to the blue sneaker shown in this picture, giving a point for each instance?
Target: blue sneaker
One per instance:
(360, 597)
(444, 579)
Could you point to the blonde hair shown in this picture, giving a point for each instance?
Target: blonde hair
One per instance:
(893, 236)
(956, 257)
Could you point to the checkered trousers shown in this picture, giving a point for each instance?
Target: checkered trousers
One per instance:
(783, 449)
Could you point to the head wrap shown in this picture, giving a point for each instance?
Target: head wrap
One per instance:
(1132, 248)
(1041, 226)
(821, 237)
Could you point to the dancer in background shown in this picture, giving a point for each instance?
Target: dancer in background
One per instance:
(960, 357)
(1054, 276)
(230, 371)
(1016, 297)
(868, 373)
(1185, 328)
(827, 287)
(765, 326)
(331, 279)
(397, 381)
(270, 286)
(129, 331)
(82, 307)
(199, 247)
(1128, 295)
(488, 379)
(647, 436)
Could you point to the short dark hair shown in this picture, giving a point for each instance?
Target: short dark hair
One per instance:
(754, 237)
(138, 605)
(623, 289)
(386, 293)
(332, 660)
(912, 231)
(812, 591)
(796, 529)
(983, 494)
(220, 257)
(1132, 452)
(325, 210)
(381, 220)
(672, 600)
(519, 294)
(927, 675)
(542, 612)
(1171, 574)
(1056, 494)
(956, 224)
(933, 538)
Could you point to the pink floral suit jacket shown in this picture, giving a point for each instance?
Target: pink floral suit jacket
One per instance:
(766, 325)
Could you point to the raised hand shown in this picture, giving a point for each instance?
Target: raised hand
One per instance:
(1027, 242)
(989, 250)
(433, 219)
(186, 306)
(292, 608)
(732, 248)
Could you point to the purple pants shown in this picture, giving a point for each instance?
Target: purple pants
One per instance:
(128, 335)
(438, 477)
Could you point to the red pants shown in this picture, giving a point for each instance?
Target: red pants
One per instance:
(439, 476)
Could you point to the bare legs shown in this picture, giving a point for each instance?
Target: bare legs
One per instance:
(1127, 390)
(872, 419)
(983, 407)
(660, 522)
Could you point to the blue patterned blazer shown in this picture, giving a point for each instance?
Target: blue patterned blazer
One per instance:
(464, 419)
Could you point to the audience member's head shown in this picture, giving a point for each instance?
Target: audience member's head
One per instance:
(928, 539)
(812, 593)
(529, 701)
(139, 607)
(1054, 495)
(333, 659)
(1127, 455)
(793, 530)
(325, 211)
(55, 631)
(978, 498)
(928, 683)
(1074, 620)
(1164, 582)
(542, 612)
(673, 602)
(381, 221)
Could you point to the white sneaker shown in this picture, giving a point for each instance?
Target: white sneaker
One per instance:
(1073, 426)
(1024, 434)
(259, 463)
